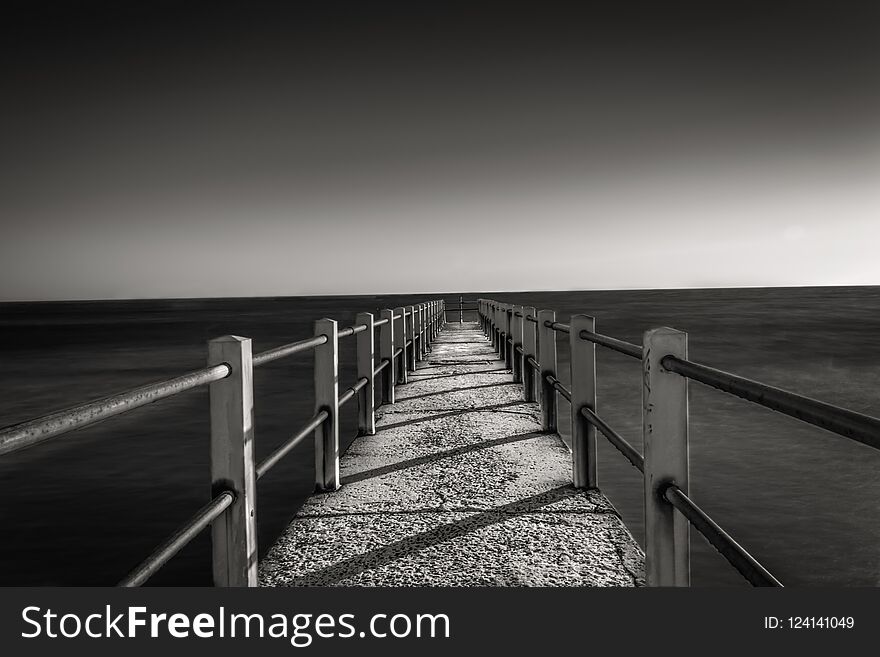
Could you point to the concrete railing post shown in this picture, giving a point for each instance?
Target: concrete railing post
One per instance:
(327, 399)
(530, 349)
(583, 395)
(490, 323)
(461, 310)
(665, 432)
(496, 326)
(366, 366)
(423, 332)
(516, 331)
(400, 343)
(507, 317)
(411, 337)
(547, 359)
(417, 333)
(234, 532)
(386, 352)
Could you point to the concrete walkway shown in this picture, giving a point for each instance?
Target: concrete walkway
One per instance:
(457, 488)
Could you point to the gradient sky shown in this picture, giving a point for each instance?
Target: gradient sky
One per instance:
(340, 148)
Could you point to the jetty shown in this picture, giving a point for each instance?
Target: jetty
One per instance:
(459, 486)
(458, 475)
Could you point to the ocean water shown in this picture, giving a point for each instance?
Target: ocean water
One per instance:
(85, 508)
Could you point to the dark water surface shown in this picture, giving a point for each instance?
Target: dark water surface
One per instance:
(87, 507)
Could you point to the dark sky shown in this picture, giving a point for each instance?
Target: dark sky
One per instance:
(177, 149)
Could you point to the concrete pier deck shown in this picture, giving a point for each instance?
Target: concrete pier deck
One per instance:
(458, 487)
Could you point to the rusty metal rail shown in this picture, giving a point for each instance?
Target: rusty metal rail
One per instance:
(30, 433)
(289, 350)
(736, 555)
(280, 452)
(844, 422)
(179, 539)
(622, 445)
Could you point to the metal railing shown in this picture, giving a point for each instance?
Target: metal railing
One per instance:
(526, 340)
(405, 335)
(461, 308)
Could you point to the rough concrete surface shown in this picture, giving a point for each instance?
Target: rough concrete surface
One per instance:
(457, 488)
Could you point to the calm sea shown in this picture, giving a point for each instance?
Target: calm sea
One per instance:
(87, 507)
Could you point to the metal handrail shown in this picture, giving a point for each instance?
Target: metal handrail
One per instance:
(735, 554)
(381, 367)
(179, 539)
(558, 387)
(380, 322)
(353, 390)
(288, 349)
(30, 433)
(850, 424)
(280, 452)
(557, 326)
(626, 348)
(351, 330)
(623, 446)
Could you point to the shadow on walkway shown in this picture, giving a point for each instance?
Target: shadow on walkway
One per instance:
(386, 554)
(436, 456)
(462, 389)
(439, 416)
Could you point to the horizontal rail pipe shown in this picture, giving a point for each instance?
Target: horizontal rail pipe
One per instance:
(855, 426)
(735, 554)
(351, 330)
(626, 348)
(558, 387)
(30, 433)
(288, 350)
(178, 540)
(558, 326)
(622, 445)
(385, 363)
(270, 461)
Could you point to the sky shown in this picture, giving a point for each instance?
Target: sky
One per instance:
(160, 149)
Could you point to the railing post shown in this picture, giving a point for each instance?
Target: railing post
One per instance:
(424, 315)
(583, 395)
(530, 349)
(420, 324)
(496, 330)
(366, 366)
(411, 331)
(508, 336)
(400, 343)
(327, 399)
(516, 330)
(233, 533)
(461, 310)
(547, 359)
(665, 432)
(386, 352)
